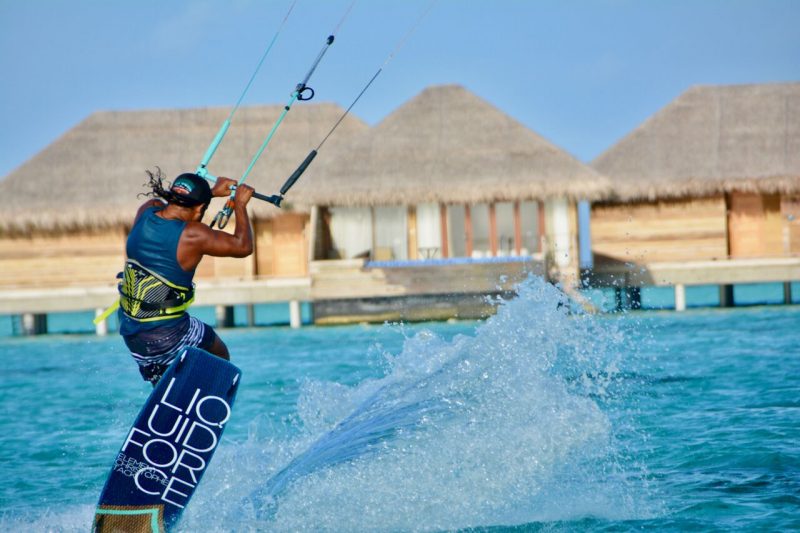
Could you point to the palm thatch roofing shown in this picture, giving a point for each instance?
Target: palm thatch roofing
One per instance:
(91, 177)
(710, 140)
(448, 145)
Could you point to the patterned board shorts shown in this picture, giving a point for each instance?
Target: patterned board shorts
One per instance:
(155, 349)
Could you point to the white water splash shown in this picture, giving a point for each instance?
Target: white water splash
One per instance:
(500, 428)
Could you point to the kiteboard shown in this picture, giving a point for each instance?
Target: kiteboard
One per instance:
(169, 446)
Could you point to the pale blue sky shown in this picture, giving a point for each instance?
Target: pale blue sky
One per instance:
(580, 73)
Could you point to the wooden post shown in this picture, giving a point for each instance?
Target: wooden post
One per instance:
(413, 252)
(443, 225)
(726, 296)
(541, 228)
(312, 230)
(295, 316)
(787, 292)
(224, 314)
(517, 230)
(493, 229)
(251, 263)
(680, 297)
(251, 315)
(468, 228)
(633, 295)
(101, 329)
(374, 233)
(34, 324)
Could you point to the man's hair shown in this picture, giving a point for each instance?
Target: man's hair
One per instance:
(188, 190)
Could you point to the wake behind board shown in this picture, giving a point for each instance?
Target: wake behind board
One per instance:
(169, 446)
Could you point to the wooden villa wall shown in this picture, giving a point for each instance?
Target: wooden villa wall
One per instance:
(281, 249)
(93, 258)
(672, 230)
(790, 216)
(77, 258)
(289, 248)
(755, 228)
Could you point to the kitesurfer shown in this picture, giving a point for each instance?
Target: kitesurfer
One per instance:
(164, 247)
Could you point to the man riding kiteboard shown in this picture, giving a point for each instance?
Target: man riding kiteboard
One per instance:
(164, 247)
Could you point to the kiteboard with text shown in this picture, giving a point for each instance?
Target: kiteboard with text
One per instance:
(169, 446)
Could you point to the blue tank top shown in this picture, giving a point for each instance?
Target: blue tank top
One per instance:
(153, 243)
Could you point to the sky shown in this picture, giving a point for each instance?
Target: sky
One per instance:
(581, 73)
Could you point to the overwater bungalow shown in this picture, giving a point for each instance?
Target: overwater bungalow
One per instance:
(64, 214)
(447, 195)
(707, 190)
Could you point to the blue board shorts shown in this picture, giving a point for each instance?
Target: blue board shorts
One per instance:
(154, 349)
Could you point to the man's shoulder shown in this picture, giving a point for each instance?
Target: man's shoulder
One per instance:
(196, 231)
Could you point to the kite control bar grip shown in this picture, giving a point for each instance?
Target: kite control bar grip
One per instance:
(219, 218)
(276, 199)
(299, 172)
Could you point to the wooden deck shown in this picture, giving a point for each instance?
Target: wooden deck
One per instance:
(352, 291)
(721, 272)
(232, 292)
(347, 291)
(630, 277)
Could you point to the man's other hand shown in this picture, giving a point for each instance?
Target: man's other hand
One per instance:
(222, 187)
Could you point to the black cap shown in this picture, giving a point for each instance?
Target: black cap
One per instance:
(189, 190)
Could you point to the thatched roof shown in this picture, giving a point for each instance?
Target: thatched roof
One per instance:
(91, 176)
(712, 139)
(448, 145)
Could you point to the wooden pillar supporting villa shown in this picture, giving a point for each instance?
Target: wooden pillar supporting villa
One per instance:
(726, 296)
(517, 230)
(627, 298)
(540, 211)
(468, 228)
(101, 328)
(374, 244)
(295, 314)
(443, 226)
(493, 229)
(413, 251)
(680, 297)
(251, 315)
(619, 305)
(224, 315)
(34, 324)
(787, 292)
(633, 296)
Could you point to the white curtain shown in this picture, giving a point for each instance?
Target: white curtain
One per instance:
(456, 231)
(429, 231)
(480, 231)
(391, 233)
(351, 231)
(504, 215)
(529, 219)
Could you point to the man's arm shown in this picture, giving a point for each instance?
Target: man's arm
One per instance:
(198, 239)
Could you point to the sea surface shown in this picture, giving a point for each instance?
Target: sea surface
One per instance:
(541, 418)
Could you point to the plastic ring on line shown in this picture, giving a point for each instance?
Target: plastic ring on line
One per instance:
(300, 94)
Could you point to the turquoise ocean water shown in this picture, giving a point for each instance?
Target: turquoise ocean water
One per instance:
(536, 419)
